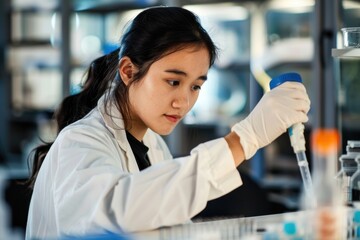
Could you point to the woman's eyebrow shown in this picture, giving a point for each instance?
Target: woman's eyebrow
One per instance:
(182, 73)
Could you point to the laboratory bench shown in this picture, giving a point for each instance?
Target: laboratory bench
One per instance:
(292, 225)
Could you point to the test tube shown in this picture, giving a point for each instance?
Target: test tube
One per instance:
(330, 214)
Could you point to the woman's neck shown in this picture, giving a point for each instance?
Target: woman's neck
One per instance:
(137, 131)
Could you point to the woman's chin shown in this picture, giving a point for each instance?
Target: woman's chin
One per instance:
(164, 131)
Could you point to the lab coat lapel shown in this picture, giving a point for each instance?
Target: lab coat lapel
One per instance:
(156, 154)
(114, 122)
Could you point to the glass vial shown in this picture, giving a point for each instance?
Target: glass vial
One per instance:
(348, 167)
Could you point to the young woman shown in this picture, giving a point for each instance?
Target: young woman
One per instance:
(110, 170)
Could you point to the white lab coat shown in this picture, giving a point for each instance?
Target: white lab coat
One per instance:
(89, 181)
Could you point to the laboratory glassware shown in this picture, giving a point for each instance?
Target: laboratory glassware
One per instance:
(353, 147)
(351, 37)
(355, 184)
(348, 167)
(330, 213)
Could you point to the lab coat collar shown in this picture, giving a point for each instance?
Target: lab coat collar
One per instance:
(114, 122)
(156, 151)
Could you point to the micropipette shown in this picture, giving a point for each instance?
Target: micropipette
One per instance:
(297, 140)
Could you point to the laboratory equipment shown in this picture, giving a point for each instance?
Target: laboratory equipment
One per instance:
(293, 226)
(348, 167)
(353, 147)
(355, 185)
(355, 225)
(231, 229)
(296, 134)
(265, 227)
(351, 37)
(329, 216)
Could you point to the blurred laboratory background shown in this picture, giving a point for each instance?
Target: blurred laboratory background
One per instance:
(46, 46)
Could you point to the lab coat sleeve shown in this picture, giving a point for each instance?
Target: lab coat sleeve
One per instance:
(94, 193)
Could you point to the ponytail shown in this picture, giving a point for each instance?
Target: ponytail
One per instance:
(99, 77)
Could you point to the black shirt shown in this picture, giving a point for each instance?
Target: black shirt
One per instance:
(139, 150)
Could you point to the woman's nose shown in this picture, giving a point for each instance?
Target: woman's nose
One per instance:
(181, 100)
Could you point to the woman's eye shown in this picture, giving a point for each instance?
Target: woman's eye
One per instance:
(196, 87)
(173, 82)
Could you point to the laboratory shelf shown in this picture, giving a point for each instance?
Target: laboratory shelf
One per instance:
(108, 6)
(348, 53)
(30, 43)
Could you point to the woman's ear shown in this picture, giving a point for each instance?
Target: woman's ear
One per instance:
(126, 69)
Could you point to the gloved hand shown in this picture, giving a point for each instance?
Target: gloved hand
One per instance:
(276, 111)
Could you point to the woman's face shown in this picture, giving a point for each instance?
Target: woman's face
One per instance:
(168, 91)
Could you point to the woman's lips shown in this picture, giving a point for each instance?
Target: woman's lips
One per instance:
(173, 118)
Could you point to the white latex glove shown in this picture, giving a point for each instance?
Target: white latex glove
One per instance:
(276, 111)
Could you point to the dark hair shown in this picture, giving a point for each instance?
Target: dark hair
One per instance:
(154, 33)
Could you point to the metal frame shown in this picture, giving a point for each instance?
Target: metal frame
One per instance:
(65, 9)
(325, 82)
(4, 80)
